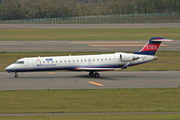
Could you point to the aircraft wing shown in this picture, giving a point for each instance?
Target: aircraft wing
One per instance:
(125, 66)
(97, 69)
(102, 69)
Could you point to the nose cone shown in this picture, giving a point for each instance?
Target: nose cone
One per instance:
(9, 68)
(6, 68)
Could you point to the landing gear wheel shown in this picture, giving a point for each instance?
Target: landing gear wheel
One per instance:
(91, 74)
(16, 76)
(97, 75)
(94, 74)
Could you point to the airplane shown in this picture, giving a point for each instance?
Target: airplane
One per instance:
(90, 63)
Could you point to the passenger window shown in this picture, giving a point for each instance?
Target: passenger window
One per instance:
(81, 60)
(64, 60)
(77, 60)
(97, 59)
(69, 61)
(101, 59)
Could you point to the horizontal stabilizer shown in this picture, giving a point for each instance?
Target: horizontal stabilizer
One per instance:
(168, 40)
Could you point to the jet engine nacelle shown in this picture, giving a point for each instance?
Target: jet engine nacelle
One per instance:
(128, 57)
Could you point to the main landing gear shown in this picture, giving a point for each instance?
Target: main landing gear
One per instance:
(16, 75)
(94, 74)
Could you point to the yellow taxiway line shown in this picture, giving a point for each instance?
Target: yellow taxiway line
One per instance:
(95, 83)
(118, 45)
(51, 73)
(108, 42)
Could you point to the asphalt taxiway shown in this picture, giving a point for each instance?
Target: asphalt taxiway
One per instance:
(82, 46)
(81, 80)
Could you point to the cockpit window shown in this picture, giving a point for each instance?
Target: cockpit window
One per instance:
(19, 62)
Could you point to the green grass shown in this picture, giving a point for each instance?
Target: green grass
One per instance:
(96, 117)
(167, 61)
(88, 34)
(84, 101)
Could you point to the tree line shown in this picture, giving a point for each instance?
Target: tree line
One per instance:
(28, 9)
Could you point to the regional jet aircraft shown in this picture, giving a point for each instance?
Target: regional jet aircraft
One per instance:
(90, 63)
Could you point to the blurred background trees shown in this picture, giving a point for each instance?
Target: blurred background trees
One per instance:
(28, 9)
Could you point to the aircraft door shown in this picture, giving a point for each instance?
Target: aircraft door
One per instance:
(30, 63)
(89, 61)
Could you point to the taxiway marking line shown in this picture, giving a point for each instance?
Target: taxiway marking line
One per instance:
(107, 42)
(119, 45)
(95, 83)
(51, 73)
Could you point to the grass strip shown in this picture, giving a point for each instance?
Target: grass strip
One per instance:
(95, 100)
(96, 117)
(167, 61)
(88, 34)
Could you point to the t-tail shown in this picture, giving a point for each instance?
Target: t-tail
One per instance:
(152, 46)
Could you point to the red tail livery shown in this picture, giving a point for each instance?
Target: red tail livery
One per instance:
(152, 46)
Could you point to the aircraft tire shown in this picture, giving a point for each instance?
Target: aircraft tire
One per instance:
(97, 75)
(91, 74)
(16, 76)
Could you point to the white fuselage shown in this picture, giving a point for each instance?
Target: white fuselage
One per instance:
(103, 62)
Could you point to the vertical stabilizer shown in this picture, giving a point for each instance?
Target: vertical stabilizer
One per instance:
(152, 46)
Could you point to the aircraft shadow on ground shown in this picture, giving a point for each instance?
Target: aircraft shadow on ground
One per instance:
(117, 78)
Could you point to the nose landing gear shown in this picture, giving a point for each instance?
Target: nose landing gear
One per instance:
(16, 75)
(92, 74)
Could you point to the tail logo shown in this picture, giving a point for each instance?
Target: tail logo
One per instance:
(151, 47)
